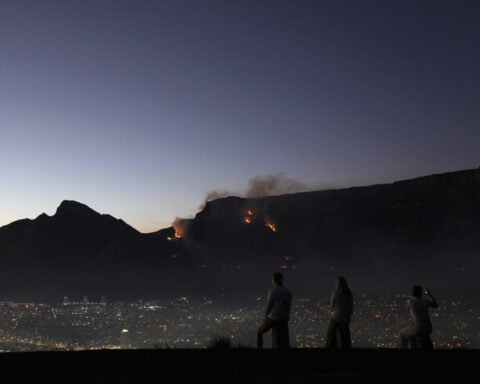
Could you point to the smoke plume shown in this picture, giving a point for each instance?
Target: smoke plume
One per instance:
(214, 195)
(269, 185)
(259, 186)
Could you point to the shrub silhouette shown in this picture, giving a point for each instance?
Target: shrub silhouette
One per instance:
(220, 342)
(225, 342)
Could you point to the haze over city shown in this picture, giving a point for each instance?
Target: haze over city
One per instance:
(140, 109)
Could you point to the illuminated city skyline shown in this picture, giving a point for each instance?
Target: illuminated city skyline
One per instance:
(184, 322)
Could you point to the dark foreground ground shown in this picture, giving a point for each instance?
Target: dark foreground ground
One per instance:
(240, 366)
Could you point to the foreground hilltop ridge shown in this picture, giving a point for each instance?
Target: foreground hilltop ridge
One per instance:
(239, 366)
(375, 233)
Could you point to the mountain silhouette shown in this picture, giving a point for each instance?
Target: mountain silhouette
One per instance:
(76, 251)
(383, 237)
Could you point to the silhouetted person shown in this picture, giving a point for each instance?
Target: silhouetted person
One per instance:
(341, 309)
(277, 314)
(421, 328)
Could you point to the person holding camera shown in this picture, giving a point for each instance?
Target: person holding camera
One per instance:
(421, 328)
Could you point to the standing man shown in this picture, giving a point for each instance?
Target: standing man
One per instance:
(277, 314)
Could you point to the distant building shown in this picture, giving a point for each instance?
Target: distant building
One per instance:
(124, 339)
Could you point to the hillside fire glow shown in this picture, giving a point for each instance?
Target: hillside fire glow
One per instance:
(270, 225)
(249, 216)
(179, 230)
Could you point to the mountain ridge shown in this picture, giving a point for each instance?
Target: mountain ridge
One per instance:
(421, 228)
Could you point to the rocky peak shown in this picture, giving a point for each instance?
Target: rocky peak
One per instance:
(76, 209)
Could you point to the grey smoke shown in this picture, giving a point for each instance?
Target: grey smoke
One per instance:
(214, 195)
(269, 185)
(260, 186)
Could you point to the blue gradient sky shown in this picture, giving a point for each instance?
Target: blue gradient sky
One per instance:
(140, 108)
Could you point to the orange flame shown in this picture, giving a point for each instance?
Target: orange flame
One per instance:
(178, 227)
(248, 218)
(270, 225)
(175, 236)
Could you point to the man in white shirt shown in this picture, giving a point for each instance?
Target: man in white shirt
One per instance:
(419, 311)
(277, 314)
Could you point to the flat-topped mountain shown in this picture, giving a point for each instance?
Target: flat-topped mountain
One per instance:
(424, 230)
(382, 237)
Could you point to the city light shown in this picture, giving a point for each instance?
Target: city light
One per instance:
(187, 322)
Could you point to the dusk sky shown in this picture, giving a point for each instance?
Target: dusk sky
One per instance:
(140, 108)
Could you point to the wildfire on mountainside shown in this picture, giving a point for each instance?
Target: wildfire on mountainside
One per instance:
(249, 216)
(178, 227)
(270, 225)
(176, 236)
